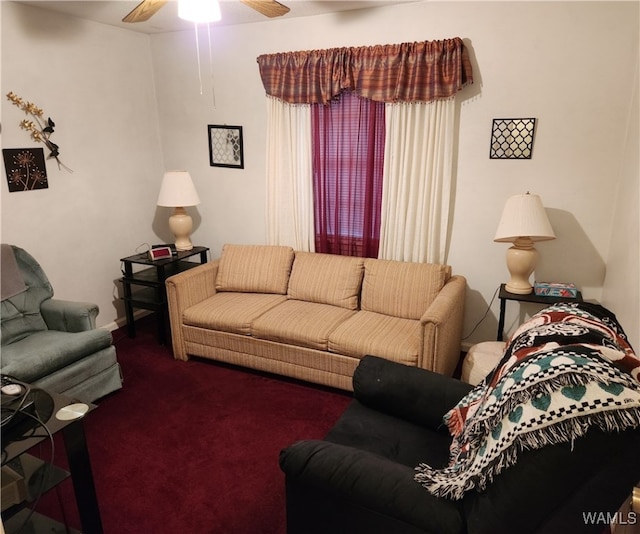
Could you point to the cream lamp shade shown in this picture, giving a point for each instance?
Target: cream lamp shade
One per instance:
(177, 191)
(524, 221)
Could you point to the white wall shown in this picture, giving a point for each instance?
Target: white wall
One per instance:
(570, 65)
(621, 291)
(96, 82)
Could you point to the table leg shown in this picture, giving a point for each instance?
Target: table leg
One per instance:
(160, 327)
(80, 467)
(131, 325)
(128, 308)
(500, 334)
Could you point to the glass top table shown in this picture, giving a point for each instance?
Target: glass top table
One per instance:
(52, 413)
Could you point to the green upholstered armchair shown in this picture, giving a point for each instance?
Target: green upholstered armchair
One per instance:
(50, 343)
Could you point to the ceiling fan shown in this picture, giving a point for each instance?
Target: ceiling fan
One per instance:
(147, 8)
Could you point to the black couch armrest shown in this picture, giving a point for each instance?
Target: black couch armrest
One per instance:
(411, 393)
(554, 489)
(358, 479)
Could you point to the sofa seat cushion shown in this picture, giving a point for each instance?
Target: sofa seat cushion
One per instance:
(254, 269)
(401, 289)
(231, 312)
(380, 335)
(326, 279)
(296, 322)
(366, 332)
(45, 352)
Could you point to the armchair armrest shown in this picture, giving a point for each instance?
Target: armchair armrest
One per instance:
(69, 316)
(442, 328)
(364, 480)
(185, 290)
(410, 393)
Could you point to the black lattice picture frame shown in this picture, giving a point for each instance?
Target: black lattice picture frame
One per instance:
(512, 138)
(225, 146)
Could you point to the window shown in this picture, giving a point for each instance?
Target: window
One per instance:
(417, 82)
(348, 137)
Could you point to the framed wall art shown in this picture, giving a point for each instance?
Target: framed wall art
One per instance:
(225, 146)
(26, 169)
(512, 138)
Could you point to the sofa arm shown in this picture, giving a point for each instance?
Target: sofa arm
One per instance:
(410, 393)
(69, 316)
(183, 291)
(442, 328)
(359, 479)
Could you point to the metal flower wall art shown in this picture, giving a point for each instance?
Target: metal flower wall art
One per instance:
(39, 128)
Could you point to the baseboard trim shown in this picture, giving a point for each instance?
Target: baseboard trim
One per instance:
(122, 321)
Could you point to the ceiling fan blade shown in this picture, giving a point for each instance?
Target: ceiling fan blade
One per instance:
(144, 10)
(269, 8)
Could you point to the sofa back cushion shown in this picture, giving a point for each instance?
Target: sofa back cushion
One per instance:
(401, 289)
(326, 279)
(254, 269)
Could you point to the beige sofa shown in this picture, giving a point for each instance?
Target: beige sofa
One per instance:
(313, 316)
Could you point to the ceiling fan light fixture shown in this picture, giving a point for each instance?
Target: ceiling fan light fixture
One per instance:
(199, 11)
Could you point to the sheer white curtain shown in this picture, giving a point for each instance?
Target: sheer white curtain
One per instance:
(416, 184)
(417, 181)
(289, 176)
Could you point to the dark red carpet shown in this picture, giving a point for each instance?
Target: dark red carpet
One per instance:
(192, 447)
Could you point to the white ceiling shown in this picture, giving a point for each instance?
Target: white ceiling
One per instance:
(166, 20)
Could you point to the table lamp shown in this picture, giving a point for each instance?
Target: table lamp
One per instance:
(177, 191)
(523, 222)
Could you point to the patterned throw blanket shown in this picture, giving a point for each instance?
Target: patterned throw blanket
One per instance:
(569, 368)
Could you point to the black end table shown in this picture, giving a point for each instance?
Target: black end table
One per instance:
(151, 293)
(18, 440)
(505, 295)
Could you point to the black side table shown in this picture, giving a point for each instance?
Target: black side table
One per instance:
(505, 295)
(25, 435)
(153, 295)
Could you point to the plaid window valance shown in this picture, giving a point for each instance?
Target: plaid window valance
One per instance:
(407, 72)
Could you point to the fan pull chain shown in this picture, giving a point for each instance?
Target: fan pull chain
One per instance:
(213, 89)
(213, 92)
(195, 27)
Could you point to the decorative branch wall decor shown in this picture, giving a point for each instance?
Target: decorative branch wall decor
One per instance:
(512, 138)
(25, 168)
(225, 146)
(41, 130)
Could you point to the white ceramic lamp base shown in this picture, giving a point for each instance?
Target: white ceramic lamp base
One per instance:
(181, 224)
(521, 261)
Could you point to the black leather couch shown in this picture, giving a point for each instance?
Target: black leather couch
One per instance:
(360, 478)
